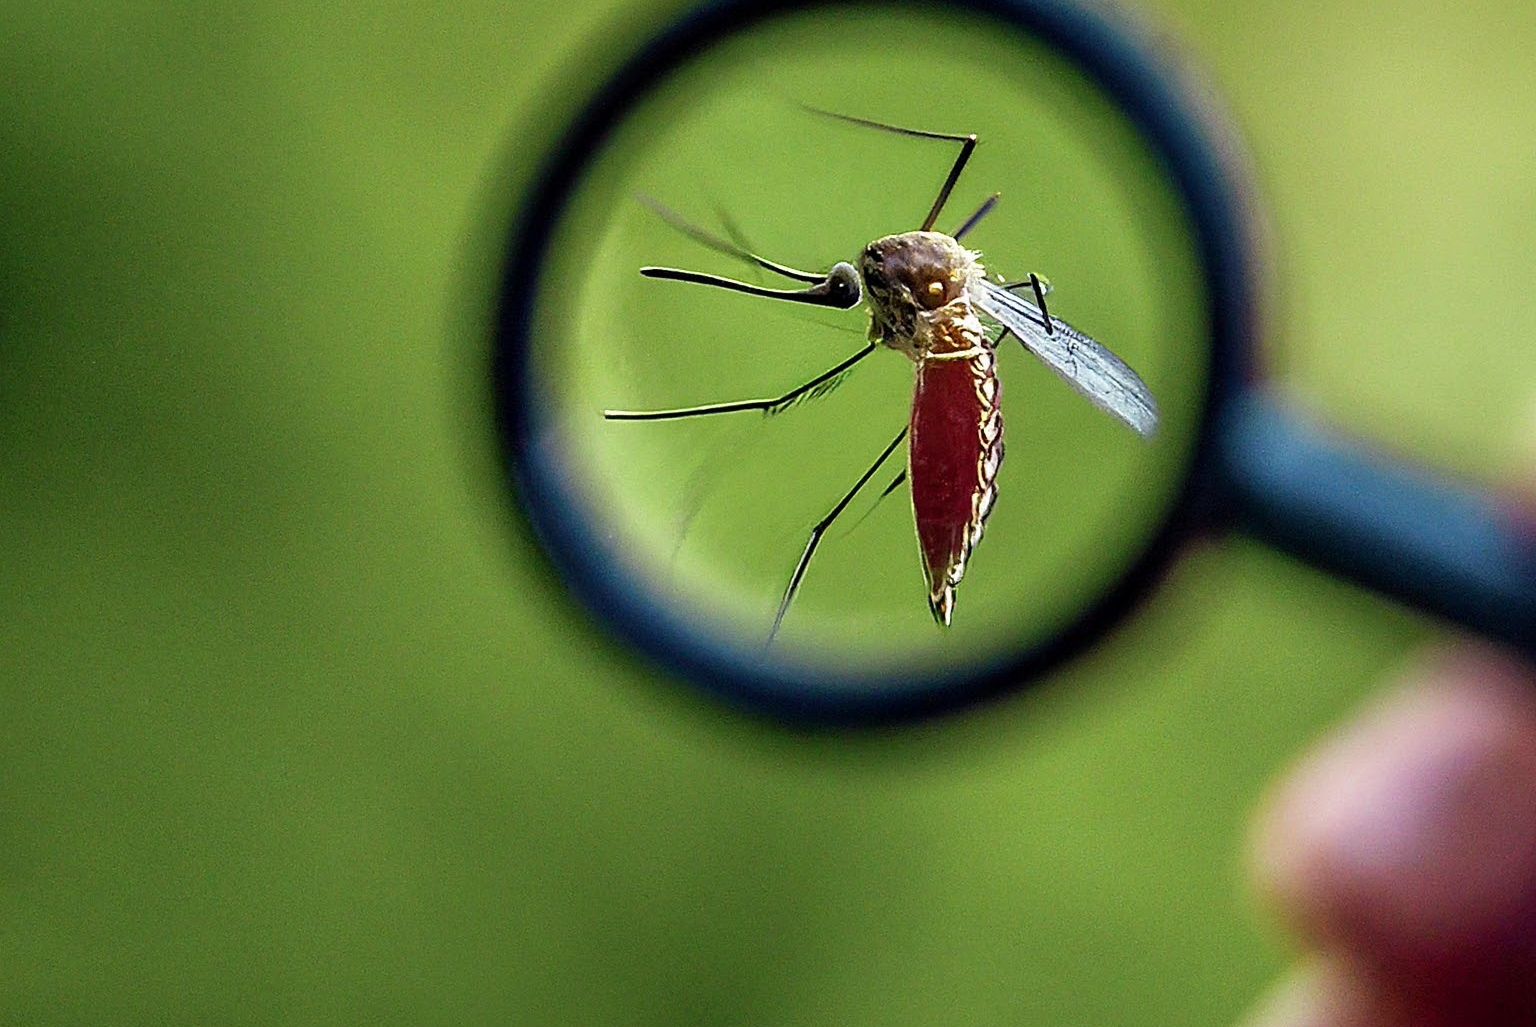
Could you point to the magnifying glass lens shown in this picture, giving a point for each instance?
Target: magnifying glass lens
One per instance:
(692, 526)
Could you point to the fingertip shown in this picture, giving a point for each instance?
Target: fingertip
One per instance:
(1320, 993)
(1409, 837)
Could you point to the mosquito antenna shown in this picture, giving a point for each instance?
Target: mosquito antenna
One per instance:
(981, 212)
(707, 238)
(967, 144)
(821, 529)
(765, 405)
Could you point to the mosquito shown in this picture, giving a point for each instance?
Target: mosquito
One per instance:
(929, 299)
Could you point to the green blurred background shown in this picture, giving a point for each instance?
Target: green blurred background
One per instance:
(298, 727)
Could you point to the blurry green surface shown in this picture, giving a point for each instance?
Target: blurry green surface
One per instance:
(298, 729)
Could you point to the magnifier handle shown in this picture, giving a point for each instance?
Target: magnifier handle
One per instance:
(1452, 550)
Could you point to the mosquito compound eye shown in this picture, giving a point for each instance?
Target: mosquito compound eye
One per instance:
(689, 538)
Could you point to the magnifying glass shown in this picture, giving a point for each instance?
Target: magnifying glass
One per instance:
(748, 158)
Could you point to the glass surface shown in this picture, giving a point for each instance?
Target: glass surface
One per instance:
(709, 514)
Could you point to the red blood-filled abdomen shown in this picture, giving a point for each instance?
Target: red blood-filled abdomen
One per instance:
(955, 450)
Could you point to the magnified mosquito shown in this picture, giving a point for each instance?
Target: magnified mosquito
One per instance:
(929, 299)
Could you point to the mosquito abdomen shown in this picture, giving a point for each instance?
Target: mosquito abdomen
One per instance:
(955, 450)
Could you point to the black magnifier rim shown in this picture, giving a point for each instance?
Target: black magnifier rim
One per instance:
(1180, 126)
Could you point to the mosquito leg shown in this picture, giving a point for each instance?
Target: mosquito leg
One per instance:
(1041, 287)
(733, 230)
(1034, 283)
(819, 385)
(981, 212)
(892, 487)
(967, 144)
(705, 237)
(771, 406)
(949, 183)
(821, 529)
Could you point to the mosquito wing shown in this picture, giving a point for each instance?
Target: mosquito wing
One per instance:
(1086, 363)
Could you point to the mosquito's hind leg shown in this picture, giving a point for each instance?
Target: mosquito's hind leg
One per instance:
(825, 523)
(967, 145)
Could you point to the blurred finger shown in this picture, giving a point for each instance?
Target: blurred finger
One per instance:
(1407, 843)
(1320, 993)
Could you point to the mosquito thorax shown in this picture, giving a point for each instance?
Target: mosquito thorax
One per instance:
(913, 279)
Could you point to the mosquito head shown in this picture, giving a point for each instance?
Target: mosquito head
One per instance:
(909, 273)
